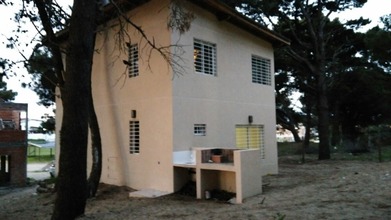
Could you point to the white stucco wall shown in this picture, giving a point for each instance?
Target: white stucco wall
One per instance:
(225, 100)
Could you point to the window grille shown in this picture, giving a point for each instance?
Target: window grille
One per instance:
(250, 137)
(205, 57)
(133, 60)
(261, 73)
(200, 129)
(134, 137)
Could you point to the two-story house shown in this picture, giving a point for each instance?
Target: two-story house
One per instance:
(157, 124)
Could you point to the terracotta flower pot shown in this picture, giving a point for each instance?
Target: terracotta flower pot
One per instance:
(217, 158)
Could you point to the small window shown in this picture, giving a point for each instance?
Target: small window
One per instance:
(134, 137)
(261, 73)
(133, 60)
(204, 57)
(200, 129)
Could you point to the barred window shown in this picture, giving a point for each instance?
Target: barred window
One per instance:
(133, 60)
(204, 57)
(261, 73)
(251, 137)
(200, 129)
(134, 137)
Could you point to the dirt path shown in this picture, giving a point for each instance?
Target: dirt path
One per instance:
(315, 190)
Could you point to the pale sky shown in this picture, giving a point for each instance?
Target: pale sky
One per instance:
(373, 9)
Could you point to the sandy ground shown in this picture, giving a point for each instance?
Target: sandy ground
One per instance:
(314, 190)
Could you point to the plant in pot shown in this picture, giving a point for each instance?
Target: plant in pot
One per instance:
(217, 156)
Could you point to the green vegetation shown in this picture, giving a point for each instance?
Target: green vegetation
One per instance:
(40, 159)
(279, 216)
(372, 155)
(35, 154)
(292, 148)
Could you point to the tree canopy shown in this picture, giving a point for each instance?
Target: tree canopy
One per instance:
(324, 54)
(5, 94)
(41, 68)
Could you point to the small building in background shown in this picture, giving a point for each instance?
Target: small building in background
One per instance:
(13, 144)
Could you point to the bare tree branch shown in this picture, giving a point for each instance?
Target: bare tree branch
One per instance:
(173, 59)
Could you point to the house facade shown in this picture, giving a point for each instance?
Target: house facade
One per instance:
(154, 116)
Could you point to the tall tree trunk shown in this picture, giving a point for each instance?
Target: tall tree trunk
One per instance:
(307, 125)
(96, 149)
(350, 137)
(284, 119)
(306, 141)
(323, 118)
(292, 129)
(296, 135)
(336, 134)
(75, 94)
(308, 122)
(294, 132)
(321, 84)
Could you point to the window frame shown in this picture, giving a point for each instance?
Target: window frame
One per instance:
(133, 59)
(199, 129)
(251, 141)
(134, 137)
(205, 57)
(261, 70)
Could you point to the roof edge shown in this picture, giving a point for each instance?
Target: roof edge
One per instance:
(224, 12)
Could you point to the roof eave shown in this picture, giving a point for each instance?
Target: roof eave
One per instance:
(226, 13)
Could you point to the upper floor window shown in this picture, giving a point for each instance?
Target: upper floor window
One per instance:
(205, 57)
(260, 70)
(132, 60)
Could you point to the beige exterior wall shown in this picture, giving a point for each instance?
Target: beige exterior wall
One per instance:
(225, 100)
(149, 94)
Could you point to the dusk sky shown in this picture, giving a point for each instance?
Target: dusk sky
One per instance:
(373, 9)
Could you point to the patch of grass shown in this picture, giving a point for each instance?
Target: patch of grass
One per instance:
(292, 148)
(36, 151)
(36, 154)
(372, 155)
(40, 159)
(287, 148)
(279, 216)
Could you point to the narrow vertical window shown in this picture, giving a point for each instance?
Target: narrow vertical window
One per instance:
(200, 129)
(261, 73)
(132, 60)
(205, 57)
(134, 137)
